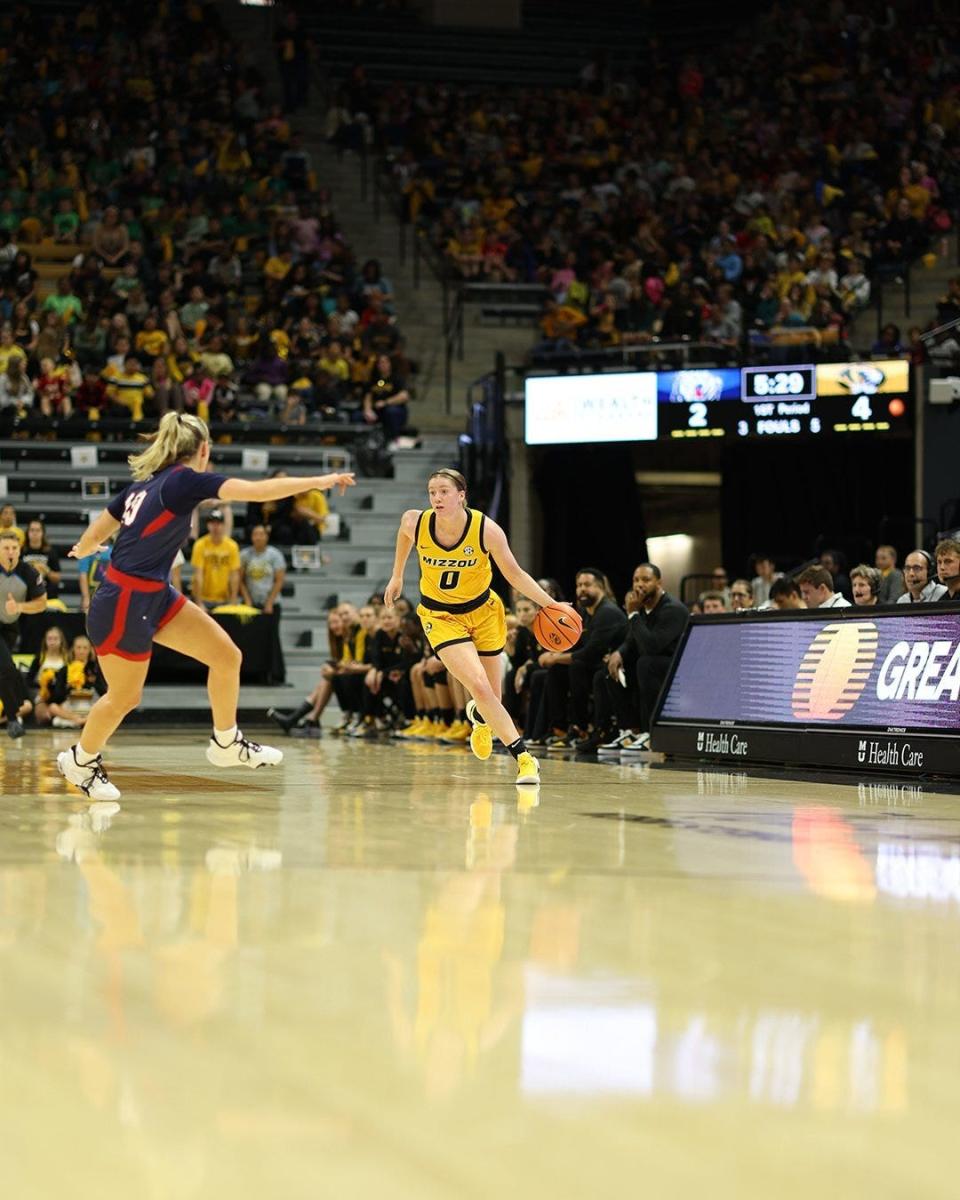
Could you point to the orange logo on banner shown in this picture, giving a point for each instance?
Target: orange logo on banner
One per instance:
(835, 670)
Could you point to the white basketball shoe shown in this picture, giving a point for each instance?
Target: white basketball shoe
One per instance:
(241, 752)
(89, 777)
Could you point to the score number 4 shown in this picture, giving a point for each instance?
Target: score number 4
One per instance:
(861, 409)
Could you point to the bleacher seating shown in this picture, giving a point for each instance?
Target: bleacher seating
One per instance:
(657, 193)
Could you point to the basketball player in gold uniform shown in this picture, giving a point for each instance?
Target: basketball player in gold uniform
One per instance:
(462, 618)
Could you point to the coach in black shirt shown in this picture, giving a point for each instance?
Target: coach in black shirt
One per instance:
(604, 624)
(21, 591)
(653, 634)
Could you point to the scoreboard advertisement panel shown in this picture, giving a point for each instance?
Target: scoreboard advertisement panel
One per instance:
(804, 400)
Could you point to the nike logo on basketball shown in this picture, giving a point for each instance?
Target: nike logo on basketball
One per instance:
(561, 621)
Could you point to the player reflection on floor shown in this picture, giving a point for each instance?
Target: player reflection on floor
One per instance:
(466, 996)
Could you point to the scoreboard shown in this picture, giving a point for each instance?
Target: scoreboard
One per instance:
(806, 400)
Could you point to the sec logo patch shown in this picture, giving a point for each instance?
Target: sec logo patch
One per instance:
(834, 670)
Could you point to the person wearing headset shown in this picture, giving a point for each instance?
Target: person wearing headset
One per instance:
(865, 584)
(920, 577)
(947, 555)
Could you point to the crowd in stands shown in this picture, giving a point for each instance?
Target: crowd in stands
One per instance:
(598, 698)
(198, 264)
(752, 194)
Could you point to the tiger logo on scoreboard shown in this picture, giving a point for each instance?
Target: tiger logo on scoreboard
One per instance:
(835, 670)
(862, 379)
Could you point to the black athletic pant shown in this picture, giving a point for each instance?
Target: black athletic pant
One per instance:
(13, 690)
(536, 727)
(613, 705)
(349, 690)
(650, 674)
(568, 694)
(398, 692)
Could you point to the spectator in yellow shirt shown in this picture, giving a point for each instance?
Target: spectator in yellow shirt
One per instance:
(128, 387)
(277, 267)
(334, 362)
(312, 508)
(9, 349)
(151, 340)
(216, 565)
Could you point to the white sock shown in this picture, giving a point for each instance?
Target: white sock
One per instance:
(83, 757)
(225, 736)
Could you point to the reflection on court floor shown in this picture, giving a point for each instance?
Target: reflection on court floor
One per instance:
(386, 970)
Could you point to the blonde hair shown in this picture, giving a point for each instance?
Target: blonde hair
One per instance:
(178, 437)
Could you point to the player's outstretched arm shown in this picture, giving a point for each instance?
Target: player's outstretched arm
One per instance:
(93, 537)
(514, 574)
(286, 485)
(405, 535)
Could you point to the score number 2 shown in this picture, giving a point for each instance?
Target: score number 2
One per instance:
(698, 416)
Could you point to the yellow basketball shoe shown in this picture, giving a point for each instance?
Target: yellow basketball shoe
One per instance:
(528, 769)
(458, 734)
(481, 736)
(436, 730)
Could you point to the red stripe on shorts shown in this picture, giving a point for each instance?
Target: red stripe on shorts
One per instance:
(171, 611)
(133, 583)
(108, 645)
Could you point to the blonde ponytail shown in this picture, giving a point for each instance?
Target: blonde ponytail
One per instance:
(178, 437)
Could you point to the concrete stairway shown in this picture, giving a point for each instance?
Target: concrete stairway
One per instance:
(419, 308)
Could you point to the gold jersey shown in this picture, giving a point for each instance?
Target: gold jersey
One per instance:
(455, 578)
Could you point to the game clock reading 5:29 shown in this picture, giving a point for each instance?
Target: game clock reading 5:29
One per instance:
(795, 383)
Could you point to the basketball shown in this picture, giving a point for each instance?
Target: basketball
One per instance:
(557, 627)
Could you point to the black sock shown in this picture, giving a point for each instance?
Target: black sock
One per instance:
(421, 713)
(434, 714)
(461, 714)
(447, 715)
(517, 748)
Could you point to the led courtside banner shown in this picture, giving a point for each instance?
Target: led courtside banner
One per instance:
(837, 688)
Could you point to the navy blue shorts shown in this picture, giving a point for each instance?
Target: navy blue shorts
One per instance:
(126, 612)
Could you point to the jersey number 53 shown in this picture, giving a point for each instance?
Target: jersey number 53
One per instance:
(132, 507)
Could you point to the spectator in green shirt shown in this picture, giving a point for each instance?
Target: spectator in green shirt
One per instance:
(66, 221)
(64, 303)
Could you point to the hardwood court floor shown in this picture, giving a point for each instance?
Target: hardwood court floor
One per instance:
(380, 972)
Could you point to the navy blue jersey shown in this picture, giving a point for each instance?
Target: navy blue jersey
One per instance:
(154, 518)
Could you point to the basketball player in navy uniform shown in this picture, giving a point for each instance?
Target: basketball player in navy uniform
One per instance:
(22, 591)
(136, 605)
